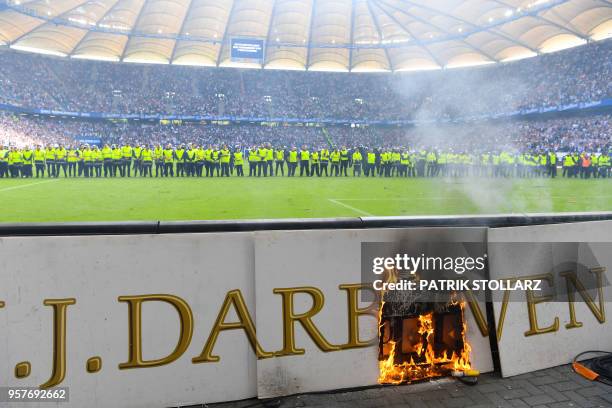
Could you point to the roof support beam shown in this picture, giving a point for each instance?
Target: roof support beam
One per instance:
(437, 27)
(496, 32)
(537, 16)
(569, 24)
(134, 28)
(407, 31)
(270, 23)
(513, 40)
(98, 21)
(505, 36)
(180, 32)
(81, 4)
(559, 26)
(226, 31)
(313, 11)
(380, 34)
(353, 6)
(44, 22)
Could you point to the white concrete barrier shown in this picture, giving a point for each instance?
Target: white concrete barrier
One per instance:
(327, 260)
(94, 272)
(177, 319)
(547, 332)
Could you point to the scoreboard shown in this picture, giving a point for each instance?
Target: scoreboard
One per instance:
(247, 49)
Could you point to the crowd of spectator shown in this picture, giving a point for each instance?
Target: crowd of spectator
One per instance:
(559, 134)
(575, 75)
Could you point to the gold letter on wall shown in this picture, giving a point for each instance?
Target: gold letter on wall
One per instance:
(354, 311)
(135, 327)
(532, 301)
(233, 298)
(290, 317)
(59, 340)
(572, 279)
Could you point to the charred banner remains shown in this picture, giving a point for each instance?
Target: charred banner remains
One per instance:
(422, 340)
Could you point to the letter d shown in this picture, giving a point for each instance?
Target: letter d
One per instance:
(135, 327)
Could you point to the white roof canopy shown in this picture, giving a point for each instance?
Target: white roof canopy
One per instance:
(355, 35)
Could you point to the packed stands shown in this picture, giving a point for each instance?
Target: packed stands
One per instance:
(592, 133)
(575, 75)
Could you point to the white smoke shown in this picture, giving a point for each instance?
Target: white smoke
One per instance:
(463, 94)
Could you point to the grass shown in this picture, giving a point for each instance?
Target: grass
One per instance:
(41, 200)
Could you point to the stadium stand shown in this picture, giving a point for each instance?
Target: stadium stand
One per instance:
(559, 134)
(456, 116)
(572, 76)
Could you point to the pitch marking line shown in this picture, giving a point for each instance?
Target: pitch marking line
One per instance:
(357, 210)
(26, 185)
(397, 199)
(444, 198)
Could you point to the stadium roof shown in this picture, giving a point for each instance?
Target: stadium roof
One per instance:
(356, 35)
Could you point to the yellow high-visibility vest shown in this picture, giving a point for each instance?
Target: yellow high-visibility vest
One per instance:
(39, 155)
(146, 155)
(168, 155)
(238, 161)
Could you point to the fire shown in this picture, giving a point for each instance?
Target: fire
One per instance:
(424, 362)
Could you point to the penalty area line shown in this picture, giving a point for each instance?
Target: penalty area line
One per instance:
(357, 210)
(26, 185)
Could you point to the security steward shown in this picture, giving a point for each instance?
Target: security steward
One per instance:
(335, 163)
(238, 162)
(146, 161)
(39, 161)
(262, 165)
(60, 161)
(314, 164)
(357, 160)
(344, 161)
(304, 161)
(253, 162)
(279, 156)
(4, 161)
(180, 156)
(225, 157)
(324, 161)
(50, 160)
(28, 159)
(200, 160)
(158, 156)
(73, 158)
(270, 159)
(292, 162)
(126, 160)
(168, 161)
(116, 155)
(14, 162)
(215, 157)
(190, 158)
(107, 159)
(87, 162)
(96, 156)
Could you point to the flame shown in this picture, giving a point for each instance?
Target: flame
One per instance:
(428, 364)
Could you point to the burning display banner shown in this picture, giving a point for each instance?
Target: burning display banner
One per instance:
(422, 340)
(394, 336)
(422, 325)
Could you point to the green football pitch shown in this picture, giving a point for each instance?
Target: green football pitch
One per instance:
(57, 200)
